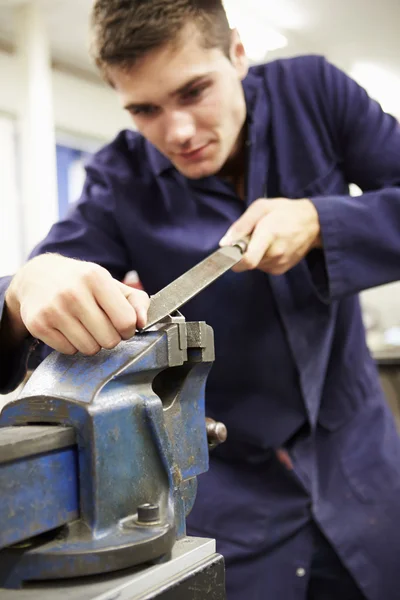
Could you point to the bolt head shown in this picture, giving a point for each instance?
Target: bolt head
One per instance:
(148, 513)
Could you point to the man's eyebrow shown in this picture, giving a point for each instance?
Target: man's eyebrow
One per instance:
(132, 106)
(186, 86)
(181, 90)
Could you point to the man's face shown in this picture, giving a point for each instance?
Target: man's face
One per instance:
(188, 101)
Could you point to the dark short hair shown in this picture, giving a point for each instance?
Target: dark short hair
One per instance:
(123, 31)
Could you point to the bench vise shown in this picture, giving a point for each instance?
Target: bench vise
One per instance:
(99, 456)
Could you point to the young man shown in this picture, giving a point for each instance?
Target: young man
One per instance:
(304, 496)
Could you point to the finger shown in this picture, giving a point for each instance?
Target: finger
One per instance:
(275, 262)
(139, 300)
(41, 328)
(246, 223)
(122, 315)
(76, 334)
(96, 323)
(56, 340)
(261, 241)
(68, 337)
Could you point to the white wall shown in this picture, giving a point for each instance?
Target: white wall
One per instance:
(10, 225)
(86, 108)
(81, 107)
(86, 114)
(381, 83)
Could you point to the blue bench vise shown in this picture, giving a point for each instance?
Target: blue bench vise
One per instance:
(99, 456)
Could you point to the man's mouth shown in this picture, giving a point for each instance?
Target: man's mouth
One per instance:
(194, 154)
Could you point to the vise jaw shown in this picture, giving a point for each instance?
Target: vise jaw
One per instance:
(138, 413)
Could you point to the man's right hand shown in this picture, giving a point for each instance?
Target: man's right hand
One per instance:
(72, 306)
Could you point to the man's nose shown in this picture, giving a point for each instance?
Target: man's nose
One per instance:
(180, 128)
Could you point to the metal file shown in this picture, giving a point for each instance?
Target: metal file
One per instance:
(188, 285)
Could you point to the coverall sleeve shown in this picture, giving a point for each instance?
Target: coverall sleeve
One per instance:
(360, 235)
(90, 233)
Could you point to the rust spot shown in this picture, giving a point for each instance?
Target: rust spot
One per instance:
(176, 475)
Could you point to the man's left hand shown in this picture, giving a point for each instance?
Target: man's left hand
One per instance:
(282, 232)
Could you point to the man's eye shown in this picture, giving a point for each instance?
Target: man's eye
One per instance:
(144, 110)
(195, 93)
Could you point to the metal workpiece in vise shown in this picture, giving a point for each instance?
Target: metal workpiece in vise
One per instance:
(105, 472)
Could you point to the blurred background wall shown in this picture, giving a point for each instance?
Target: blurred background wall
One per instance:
(55, 110)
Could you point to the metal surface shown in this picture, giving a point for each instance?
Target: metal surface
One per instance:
(38, 493)
(148, 514)
(139, 419)
(21, 442)
(205, 581)
(132, 584)
(216, 433)
(188, 285)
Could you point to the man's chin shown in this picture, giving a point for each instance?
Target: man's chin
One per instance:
(198, 171)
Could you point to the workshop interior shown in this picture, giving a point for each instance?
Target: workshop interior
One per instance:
(75, 522)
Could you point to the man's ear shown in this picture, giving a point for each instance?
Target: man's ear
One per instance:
(237, 54)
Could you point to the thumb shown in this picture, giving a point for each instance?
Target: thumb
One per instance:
(246, 223)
